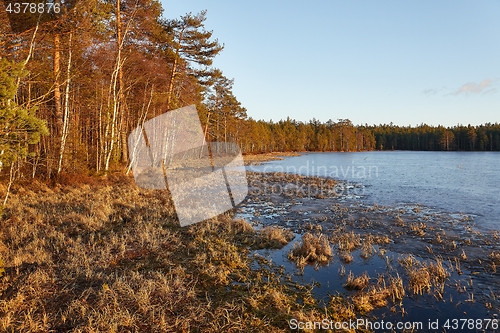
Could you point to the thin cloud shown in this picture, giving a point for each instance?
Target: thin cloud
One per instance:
(432, 91)
(484, 87)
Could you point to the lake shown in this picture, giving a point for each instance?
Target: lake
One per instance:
(461, 182)
(450, 184)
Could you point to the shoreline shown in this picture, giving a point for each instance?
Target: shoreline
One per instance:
(257, 159)
(109, 256)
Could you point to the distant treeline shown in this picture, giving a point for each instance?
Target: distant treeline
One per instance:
(291, 135)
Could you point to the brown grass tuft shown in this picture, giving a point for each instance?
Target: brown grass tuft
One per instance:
(423, 276)
(274, 237)
(357, 283)
(378, 294)
(418, 229)
(346, 257)
(312, 249)
(348, 241)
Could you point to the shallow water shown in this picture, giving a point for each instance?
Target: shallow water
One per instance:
(423, 309)
(466, 182)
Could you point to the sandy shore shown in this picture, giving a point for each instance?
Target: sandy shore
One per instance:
(256, 159)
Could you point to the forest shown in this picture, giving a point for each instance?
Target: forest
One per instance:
(72, 89)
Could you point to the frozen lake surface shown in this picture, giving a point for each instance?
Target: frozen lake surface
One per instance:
(461, 182)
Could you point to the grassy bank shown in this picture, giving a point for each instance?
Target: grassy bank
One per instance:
(102, 255)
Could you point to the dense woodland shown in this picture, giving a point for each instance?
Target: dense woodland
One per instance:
(72, 89)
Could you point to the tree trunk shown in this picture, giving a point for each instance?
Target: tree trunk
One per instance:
(122, 108)
(114, 86)
(57, 91)
(171, 83)
(174, 72)
(65, 125)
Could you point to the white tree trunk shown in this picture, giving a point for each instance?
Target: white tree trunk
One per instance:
(65, 126)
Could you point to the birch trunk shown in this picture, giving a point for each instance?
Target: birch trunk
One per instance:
(115, 81)
(121, 96)
(171, 83)
(65, 125)
(140, 123)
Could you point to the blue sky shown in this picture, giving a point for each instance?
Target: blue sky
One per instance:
(406, 62)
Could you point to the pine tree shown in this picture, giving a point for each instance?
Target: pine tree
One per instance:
(190, 48)
(19, 127)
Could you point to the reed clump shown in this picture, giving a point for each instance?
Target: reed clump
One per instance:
(378, 294)
(495, 257)
(418, 229)
(423, 276)
(312, 249)
(347, 242)
(375, 297)
(367, 248)
(341, 309)
(346, 257)
(274, 238)
(357, 283)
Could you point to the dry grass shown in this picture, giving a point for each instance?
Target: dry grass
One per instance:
(346, 257)
(348, 242)
(367, 248)
(312, 249)
(418, 229)
(274, 237)
(495, 260)
(368, 301)
(106, 256)
(396, 288)
(357, 283)
(256, 159)
(341, 310)
(380, 239)
(399, 221)
(420, 280)
(375, 297)
(423, 276)
(378, 294)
